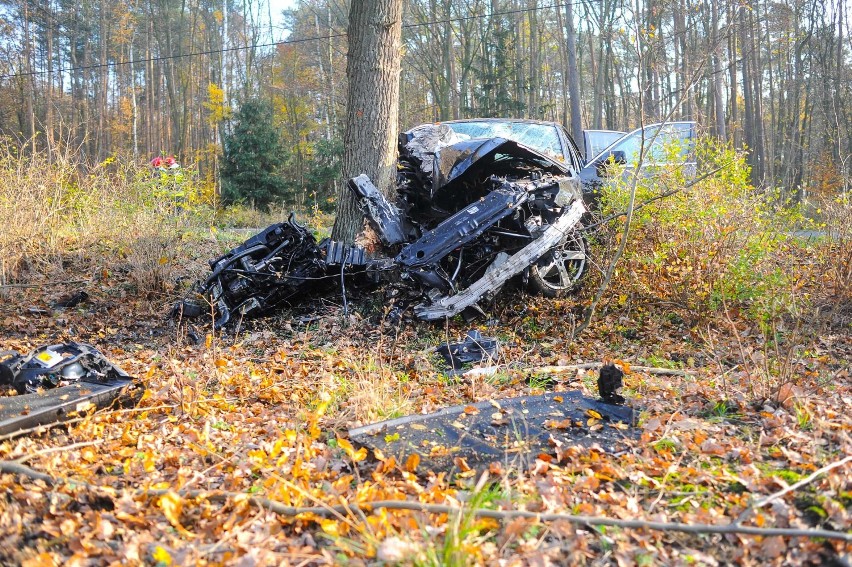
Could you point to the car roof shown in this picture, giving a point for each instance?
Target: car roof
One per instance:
(520, 120)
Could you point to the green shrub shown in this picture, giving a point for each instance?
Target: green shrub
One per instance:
(719, 241)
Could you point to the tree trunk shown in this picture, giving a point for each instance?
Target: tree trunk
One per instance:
(735, 129)
(48, 94)
(748, 97)
(29, 95)
(373, 67)
(757, 77)
(573, 75)
(716, 44)
(563, 63)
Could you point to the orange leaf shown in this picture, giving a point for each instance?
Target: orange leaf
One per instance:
(88, 455)
(356, 456)
(411, 462)
(44, 559)
(148, 461)
(171, 504)
(331, 527)
(461, 463)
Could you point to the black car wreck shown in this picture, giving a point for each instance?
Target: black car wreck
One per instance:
(471, 213)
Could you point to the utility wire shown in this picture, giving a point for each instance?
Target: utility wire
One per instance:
(289, 41)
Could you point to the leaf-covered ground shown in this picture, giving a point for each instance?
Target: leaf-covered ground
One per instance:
(263, 413)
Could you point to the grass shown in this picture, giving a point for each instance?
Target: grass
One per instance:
(374, 392)
(56, 206)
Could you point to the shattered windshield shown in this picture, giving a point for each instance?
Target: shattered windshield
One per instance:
(541, 137)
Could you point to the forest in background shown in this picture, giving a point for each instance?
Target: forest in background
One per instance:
(161, 77)
(730, 323)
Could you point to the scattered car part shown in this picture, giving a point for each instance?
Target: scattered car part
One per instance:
(609, 381)
(511, 431)
(475, 348)
(56, 365)
(268, 269)
(56, 382)
(376, 207)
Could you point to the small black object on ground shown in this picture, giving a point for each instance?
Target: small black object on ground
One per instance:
(70, 301)
(609, 381)
(512, 432)
(475, 348)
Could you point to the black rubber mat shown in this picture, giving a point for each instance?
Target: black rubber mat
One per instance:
(512, 432)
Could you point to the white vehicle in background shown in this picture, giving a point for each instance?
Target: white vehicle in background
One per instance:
(666, 145)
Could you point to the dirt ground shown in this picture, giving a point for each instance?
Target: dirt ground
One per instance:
(262, 411)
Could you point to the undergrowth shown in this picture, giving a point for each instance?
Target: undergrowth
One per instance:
(833, 259)
(717, 242)
(726, 258)
(55, 206)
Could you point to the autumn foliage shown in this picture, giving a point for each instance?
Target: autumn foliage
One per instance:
(233, 428)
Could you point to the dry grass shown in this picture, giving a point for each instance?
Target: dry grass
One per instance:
(52, 208)
(836, 250)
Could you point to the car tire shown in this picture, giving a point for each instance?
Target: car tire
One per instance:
(560, 270)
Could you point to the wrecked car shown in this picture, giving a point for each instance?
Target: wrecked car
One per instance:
(596, 140)
(472, 211)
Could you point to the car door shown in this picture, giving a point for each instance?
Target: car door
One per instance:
(665, 145)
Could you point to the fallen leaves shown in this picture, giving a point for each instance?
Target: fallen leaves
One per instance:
(258, 415)
(171, 504)
(356, 456)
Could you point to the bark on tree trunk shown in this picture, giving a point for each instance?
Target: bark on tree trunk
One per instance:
(563, 63)
(373, 67)
(719, 108)
(573, 75)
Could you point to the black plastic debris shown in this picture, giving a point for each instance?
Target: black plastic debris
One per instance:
(609, 381)
(512, 432)
(56, 382)
(268, 269)
(475, 348)
(56, 365)
(59, 404)
(73, 300)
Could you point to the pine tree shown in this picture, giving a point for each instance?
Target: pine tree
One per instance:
(254, 155)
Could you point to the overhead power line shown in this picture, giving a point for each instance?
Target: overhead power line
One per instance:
(287, 41)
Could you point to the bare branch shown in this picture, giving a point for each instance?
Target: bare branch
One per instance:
(795, 486)
(489, 370)
(325, 511)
